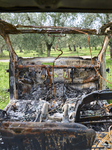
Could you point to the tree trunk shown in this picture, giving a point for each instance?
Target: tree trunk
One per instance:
(74, 48)
(110, 51)
(110, 47)
(41, 50)
(1, 51)
(20, 50)
(95, 48)
(54, 48)
(69, 48)
(48, 49)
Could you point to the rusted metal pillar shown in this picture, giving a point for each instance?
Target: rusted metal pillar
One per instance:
(13, 59)
(101, 58)
(12, 74)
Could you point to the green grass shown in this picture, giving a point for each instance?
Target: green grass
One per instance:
(4, 85)
(4, 80)
(66, 52)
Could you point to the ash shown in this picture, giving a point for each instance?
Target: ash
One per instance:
(38, 106)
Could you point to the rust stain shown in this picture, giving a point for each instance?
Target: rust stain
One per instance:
(90, 79)
(56, 66)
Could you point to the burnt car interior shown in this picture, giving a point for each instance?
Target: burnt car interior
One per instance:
(71, 90)
(56, 106)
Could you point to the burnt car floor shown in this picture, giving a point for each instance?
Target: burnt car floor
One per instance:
(47, 102)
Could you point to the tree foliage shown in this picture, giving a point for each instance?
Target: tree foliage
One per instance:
(43, 42)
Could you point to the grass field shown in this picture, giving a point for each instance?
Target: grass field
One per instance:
(4, 85)
(66, 52)
(4, 80)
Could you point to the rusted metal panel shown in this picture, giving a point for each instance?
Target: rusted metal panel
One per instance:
(8, 28)
(76, 71)
(56, 66)
(11, 29)
(45, 136)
